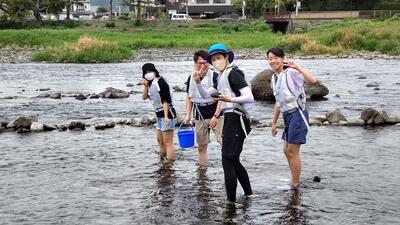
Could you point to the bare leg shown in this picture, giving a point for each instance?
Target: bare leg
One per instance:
(203, 156)
(163, 150)
(168, 137)
(292, 153)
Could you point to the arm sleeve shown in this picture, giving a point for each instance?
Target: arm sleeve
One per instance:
(188, 84)
(237, 81)
(164, 91)
(245, 96)
(297, 77)
(206, 93)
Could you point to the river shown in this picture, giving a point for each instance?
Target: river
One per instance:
(115, 176)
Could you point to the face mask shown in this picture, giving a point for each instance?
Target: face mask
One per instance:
(219, 64)
(150, 76)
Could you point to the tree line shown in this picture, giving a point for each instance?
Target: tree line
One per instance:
(16, 10)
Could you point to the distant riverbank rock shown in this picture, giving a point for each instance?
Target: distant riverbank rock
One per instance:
(261, 88)
(22, 122)
(335, 117)
(114, 93)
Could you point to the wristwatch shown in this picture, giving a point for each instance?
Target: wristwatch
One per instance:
(216, 116)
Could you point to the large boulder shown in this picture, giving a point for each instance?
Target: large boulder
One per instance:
(335, 116)
(316, 91)
(114, 93)
(22, 122)
(261, 87)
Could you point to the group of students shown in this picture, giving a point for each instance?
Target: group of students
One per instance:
(219, 98)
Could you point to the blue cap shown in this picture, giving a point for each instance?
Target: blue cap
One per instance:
(219, 49)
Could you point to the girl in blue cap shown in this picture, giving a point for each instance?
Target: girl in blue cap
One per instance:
(233, 90)
(288, 87)
(159, 92)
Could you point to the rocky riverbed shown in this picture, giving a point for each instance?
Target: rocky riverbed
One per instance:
(23, 55)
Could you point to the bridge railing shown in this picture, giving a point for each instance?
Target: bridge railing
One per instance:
(371, 14)
(273, 16)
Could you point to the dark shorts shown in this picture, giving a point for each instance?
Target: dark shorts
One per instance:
(295, 131)
(233, 135)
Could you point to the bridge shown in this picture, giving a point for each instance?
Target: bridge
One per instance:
(279, 22)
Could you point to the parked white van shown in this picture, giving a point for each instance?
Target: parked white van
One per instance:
(180, 17)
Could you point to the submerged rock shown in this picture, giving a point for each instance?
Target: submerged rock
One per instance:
(355, 122)
(43, 89)
(95, 96)
(114, 93)
(77, 125)
(104, 125)
(49, 127)
(22, 130)
(373, 84)
(335, 116)
(317, 179)
(56, 95)
(43, 95)
(81, 97)
(374, 117)
(179, 89)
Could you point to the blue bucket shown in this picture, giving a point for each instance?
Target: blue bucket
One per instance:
(186, 137)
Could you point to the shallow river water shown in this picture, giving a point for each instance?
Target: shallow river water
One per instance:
(115, 176)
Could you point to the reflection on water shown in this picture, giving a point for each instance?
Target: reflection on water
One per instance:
(295, 213)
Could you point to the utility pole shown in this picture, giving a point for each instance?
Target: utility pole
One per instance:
(243, 9)
(187, 7)
(278, 7)
(297, 7)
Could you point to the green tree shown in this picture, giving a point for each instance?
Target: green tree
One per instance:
(102, 10)
(16, 9)
(55, 7)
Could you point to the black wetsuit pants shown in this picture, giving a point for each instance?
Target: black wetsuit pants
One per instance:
(232, 145)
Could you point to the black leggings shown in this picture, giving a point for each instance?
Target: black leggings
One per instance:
(233, 171)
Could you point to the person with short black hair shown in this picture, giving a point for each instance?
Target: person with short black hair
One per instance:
(288, 88)
(159, 92)
(233, 90)
(206, 112)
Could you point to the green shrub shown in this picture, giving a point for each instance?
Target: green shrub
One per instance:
(124, 17)
(110, 24)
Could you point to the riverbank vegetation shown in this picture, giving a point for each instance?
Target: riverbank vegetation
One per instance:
(116, 43)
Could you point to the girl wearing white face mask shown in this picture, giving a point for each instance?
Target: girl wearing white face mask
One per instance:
(233, 90)
(159, 92)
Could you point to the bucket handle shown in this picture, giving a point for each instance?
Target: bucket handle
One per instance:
(182, 124)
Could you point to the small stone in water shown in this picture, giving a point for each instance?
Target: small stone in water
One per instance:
(317, 179)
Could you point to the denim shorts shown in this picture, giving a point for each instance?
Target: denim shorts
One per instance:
(160, 125)
(295, 131)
